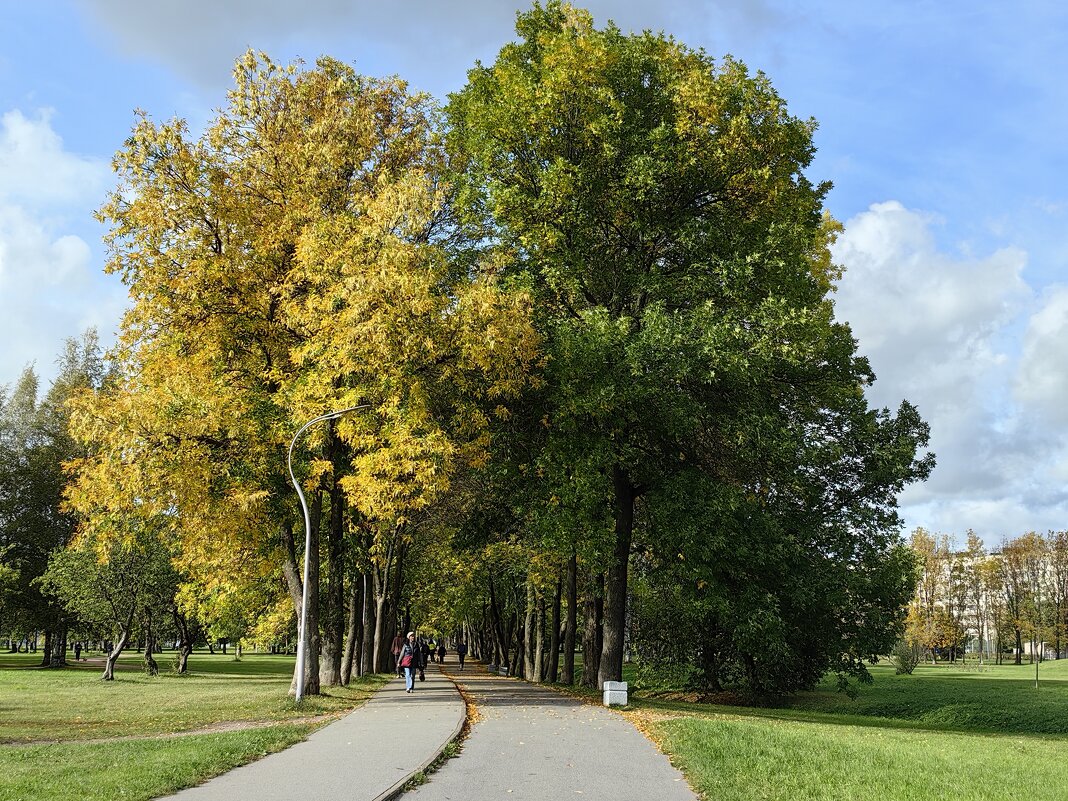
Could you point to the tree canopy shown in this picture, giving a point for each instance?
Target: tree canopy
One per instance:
(586, 310)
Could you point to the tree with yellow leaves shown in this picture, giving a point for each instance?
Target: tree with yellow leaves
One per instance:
(290, 261)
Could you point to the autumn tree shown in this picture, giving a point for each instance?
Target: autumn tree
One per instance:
(287, 262)
(975, 589)
(1021, 570)
(1057, 548)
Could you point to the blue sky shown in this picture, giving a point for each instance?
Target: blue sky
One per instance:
(943, 126)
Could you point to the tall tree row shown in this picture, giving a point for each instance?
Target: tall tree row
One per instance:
(698, 388)
(583, 318)
(286, 263)
(996, 602)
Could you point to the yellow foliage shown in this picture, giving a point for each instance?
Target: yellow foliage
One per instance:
(281, 265)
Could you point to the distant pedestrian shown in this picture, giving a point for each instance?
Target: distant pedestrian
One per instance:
(77, 652)
(395, 649)
(426, 652)
(461, 652)
(441, 652)
(408, 661)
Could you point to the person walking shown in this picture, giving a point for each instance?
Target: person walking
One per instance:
(461, 652)
(408, 661)
(441, 652)
(395, 649)
(425, 654)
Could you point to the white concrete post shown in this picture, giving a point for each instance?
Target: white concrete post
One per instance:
(615, 693)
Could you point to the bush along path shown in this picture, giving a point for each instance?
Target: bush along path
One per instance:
(533, 743)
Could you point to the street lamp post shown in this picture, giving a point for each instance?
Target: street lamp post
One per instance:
(302, 633)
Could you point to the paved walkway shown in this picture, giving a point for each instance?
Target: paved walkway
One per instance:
(533, 743)
(366, 756)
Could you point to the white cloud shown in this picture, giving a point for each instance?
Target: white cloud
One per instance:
(1042, 381)
(200, 39)
(928, 320)
(36, 171)
(431, 43)
(939, 329)
(50, 288)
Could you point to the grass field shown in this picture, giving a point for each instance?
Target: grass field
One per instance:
(942, 733)
(965, 734)
(66, 734)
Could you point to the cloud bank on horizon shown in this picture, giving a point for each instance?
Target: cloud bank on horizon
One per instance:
(942, 128)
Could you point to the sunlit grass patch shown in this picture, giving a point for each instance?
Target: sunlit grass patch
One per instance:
(136, 770)
(775, 760)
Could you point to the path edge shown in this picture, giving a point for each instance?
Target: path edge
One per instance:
(398, 788)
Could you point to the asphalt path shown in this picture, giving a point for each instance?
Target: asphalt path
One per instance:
(367, 755)
(533, 743)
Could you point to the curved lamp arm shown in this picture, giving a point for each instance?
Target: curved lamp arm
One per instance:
(302, 629)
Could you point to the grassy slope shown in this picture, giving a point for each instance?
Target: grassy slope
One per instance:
(40, 707)
(942, 733)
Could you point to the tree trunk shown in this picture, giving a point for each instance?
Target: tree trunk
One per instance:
(553, 673)
(567, 675)
(398, 588)
(333, 617)
(500, 643)
(59, 647)
(615, 596)
(312, 641)
(539, 642)
(380, 610)
(151, 666)
(46, 658)
(1019, 647)
(185, 641)
(367, 661)
(116, 650)
(591, 637)
(290, 567)
(352, 632)
(528, 634)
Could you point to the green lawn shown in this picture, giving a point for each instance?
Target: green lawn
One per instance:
(46, 717)
(942, 733)
(776, 760)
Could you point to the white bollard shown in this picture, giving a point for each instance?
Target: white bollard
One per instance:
(615, 693)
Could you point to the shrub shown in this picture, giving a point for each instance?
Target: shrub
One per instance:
(906, 657)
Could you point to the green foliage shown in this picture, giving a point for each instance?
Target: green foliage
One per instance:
(110, 588)
(35, 443)
(585, 310)
(656, 202)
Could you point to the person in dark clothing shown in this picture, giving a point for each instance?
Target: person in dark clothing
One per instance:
(425, 659)
(461, 652)
(441, 652)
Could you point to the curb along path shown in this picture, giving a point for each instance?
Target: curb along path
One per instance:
(366, 756)
(533, 743)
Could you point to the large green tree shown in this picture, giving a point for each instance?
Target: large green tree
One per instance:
(657, 204)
